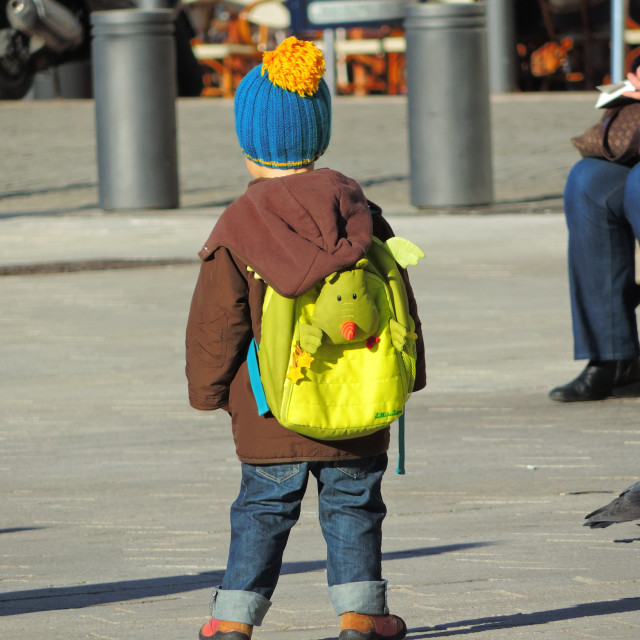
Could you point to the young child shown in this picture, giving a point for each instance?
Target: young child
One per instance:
(293, 226)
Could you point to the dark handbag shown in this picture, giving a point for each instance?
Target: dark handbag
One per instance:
(615, 138)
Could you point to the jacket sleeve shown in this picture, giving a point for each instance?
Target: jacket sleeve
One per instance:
(218, 330)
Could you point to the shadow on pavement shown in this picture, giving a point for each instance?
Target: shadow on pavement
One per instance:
(89, 595)
(18, 529)
(492, 623)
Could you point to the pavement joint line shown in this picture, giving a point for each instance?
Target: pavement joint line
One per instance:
(46, 190)
(89, 265)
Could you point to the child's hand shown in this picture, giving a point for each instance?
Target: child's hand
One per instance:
(634, 79)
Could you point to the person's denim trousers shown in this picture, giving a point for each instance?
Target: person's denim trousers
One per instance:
(351, 512)
(602, 208)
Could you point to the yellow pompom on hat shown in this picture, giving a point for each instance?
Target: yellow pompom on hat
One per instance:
(283, 107)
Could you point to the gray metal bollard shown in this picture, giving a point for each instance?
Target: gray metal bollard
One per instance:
(501, 45)
(134, 75)
(149, 5)
(449, 109)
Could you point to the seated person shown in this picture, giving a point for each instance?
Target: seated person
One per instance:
(602, 209)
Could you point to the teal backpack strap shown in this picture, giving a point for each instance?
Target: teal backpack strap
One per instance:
(254, 377)
(400, 467)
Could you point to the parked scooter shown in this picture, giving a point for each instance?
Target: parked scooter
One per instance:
(40, 34)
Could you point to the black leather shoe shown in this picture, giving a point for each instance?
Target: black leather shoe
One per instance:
(600, 380)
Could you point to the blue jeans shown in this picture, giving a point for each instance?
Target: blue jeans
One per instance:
(351, 512)
(602, 208)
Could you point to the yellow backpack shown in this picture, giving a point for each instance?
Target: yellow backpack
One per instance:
(339, 361)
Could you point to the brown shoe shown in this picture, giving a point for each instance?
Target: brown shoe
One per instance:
(358, 626)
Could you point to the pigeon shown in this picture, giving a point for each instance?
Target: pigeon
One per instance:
(624, 508)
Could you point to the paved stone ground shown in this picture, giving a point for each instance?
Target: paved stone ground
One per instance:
(114, 494)
(50, 151)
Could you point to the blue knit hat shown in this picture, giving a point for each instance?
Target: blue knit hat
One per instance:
(283, 107)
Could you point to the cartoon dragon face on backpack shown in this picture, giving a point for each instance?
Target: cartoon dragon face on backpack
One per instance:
(344, 310)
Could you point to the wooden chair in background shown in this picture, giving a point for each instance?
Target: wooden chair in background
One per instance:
(256, 27)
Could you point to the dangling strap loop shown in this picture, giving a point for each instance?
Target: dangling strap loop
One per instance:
(400, 468)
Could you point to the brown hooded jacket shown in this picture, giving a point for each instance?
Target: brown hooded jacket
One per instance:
(293, 231)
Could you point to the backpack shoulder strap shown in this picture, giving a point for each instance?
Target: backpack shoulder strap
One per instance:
(254, 377)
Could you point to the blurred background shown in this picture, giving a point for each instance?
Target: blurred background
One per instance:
(552, 45)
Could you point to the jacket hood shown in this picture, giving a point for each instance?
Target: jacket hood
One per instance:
(297, 229)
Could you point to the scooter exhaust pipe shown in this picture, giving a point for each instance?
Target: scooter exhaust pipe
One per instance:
(47, 19)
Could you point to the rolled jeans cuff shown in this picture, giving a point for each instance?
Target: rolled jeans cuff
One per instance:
(239, 606)
(368, 597)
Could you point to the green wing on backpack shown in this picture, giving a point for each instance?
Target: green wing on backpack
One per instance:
(339, 361)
